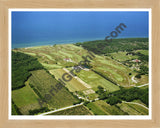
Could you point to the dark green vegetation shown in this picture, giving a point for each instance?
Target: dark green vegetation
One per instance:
(22, 64)
(127, 44)
(36, 111)
(143, 71)
(124, 94)
(78, 110)
(141, 56)
(15, 109)
(108, 85)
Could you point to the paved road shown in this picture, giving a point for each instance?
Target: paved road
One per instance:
(142, 85)
(133, 79)
(42, 114)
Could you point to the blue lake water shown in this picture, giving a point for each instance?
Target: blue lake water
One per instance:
(47, 28)
(52, 42)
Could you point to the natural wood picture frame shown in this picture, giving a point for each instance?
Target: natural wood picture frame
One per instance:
(4, 77)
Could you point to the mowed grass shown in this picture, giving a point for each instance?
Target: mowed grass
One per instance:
(113, 73)
(143, 80)
(78, 110)
(102, 108)
(121, 56)
(113, 70)
(56, 54)
(25, 99)
(51, 66)
(144, 52)
(73, 85)
(42, 81)
(53, 57)
(95, 80)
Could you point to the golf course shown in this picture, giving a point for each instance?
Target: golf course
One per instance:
(113, 81)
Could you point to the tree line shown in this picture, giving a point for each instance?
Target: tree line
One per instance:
(22, 64)
(124, 94)
(126, 44)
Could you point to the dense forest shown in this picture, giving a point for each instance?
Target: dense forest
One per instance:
(124, 94)
(22, 64)
(104, 47)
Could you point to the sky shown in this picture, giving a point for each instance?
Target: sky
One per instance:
(35, 27)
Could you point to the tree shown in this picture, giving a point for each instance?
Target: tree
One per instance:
(22, 64)
(138, 76)
(86, 102)
(143, 70)
(113, 100)
(100, 87)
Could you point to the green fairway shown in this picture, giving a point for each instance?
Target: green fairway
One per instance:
(112, 73)
(78, 110)
(42, 81)
(121, 56)
(113, 70)
(73, 85)
(143, 80)
(51, 66)
(48, 55)
(55, 57)
(95, 80)
(144, 52)
(103, 85)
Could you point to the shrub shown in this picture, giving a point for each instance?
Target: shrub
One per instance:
(138, 76)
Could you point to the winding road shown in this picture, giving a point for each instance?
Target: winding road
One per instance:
(142, 85)
(133, 79)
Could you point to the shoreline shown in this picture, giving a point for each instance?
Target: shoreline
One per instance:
(51, 44)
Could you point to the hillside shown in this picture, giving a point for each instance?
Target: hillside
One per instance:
(105, 85)
(127, 44)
